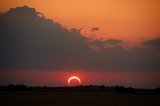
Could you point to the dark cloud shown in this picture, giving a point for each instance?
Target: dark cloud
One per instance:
(29, 41)
(113, 41)
(153, 43)
(105, 43)
(95, 29)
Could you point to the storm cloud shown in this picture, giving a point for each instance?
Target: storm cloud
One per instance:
(29, 41)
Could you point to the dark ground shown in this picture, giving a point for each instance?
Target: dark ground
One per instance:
(76, 99)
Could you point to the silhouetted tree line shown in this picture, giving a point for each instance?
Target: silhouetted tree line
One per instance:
(86, 88)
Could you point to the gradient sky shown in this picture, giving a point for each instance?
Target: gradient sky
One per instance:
(131, 22)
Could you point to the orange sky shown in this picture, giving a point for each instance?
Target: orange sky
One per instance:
(131, 20)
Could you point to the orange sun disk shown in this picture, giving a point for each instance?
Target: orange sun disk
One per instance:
(72, 78)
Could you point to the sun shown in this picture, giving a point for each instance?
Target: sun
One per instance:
(74, 78)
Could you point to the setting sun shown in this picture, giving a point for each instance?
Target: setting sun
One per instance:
(73, 78)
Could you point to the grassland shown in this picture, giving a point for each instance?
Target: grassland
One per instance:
(75, 99)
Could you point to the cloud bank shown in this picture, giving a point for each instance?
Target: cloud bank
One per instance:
(29, 41)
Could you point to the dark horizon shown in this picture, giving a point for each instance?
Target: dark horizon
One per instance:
(81, 89)
(70, 86)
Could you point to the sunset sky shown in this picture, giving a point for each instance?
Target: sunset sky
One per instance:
(132, 20)
(119, 42)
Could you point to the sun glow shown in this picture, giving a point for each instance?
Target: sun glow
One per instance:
(72, 78)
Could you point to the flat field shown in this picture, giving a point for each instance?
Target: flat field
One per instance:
(75, 99)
